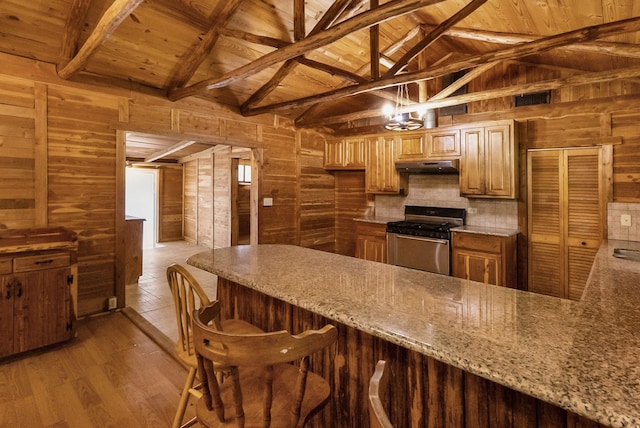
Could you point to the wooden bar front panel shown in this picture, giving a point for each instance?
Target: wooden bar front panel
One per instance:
(424, 392)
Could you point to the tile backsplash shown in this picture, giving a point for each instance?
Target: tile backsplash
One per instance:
(444, 191)
(615, 210)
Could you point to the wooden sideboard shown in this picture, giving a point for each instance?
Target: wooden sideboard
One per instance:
(38, 285)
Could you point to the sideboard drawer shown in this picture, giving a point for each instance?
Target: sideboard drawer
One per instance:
(41, 261)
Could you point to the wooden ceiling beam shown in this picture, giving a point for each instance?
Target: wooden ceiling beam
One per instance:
(513, 52)
(169, 150)
(108, 23)
(628, 50)
(73, 29)
(436, 102)
(364, 20)
(299, 25)
(329, 69)
(433, 36)
(374, 46)
(325, 22)
(186, 67)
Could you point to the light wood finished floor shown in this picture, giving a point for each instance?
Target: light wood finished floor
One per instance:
(111, 375)
(151, 297)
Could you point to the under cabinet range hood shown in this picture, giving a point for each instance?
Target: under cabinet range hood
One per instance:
(430, 167)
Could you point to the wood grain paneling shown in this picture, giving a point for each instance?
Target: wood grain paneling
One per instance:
(170, 204)
(351, 202)
(205, 202)
(425, 392)
(190, 200)
(222, 197)
(316, 195)
(17, 154)
(82, 187)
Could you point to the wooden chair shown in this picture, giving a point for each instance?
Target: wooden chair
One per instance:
(378, 389)
(263, 389)
(188, 296)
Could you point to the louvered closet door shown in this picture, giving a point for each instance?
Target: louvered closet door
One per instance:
(565, 219)
(546, 262)
(584, 216)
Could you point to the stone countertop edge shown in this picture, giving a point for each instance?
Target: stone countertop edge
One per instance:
(374, 219)
(485, 230)
(578, 355)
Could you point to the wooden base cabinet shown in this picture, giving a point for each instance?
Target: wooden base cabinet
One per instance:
(485, 258)
(371, 241)
(37, 289)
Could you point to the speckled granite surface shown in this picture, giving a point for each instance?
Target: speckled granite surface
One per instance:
(375, 219)
(482, 230)
(582, 356)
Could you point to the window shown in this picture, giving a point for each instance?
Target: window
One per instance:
(244, 174)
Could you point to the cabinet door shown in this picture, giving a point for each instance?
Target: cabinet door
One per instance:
(472, 168)
(381, 175)
(371, 241)
(444, 144)
(42, 309)
(354, 153)
(499, 161)
(412, 147)
(333, 154)
(6, 315)
(477, 266)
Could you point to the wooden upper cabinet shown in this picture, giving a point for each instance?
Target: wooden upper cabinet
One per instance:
(411, 146)
(440, 144)
(443, 144)
(381, 175)
(347, 153)
(488, 167)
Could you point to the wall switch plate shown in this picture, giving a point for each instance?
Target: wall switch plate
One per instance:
(113, 302)
(625, 220)
(267, 202)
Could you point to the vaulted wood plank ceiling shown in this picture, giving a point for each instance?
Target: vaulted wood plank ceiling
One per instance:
(323, 63)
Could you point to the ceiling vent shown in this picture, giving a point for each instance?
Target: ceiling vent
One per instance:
(532, 99)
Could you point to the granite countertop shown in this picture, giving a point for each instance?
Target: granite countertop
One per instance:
(483, 230)
(376, 219)
(582, 356)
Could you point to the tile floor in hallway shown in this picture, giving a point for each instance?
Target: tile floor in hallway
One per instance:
(151, 297)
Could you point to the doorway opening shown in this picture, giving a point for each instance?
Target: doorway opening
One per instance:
(141, 201)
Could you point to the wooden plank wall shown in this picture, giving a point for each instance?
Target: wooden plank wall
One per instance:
(170, 204)
(351, 202)
(17, 153)
(190, 189)
(222, 197)
(280, 223)
(205, 202)
(82, 186)
(315, 195)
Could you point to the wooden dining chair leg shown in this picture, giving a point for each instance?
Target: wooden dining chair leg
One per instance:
(184, 398)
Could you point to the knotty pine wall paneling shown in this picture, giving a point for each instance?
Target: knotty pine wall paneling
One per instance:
(82, 186)
(205, 202)
(222, 197)
(316, 194)
(280, 223)
(351, 202)
(190, 209)
(170, 204)
(17, 153)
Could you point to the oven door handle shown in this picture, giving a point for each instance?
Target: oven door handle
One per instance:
(422, 238)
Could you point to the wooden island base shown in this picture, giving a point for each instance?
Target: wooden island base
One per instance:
(424, 392)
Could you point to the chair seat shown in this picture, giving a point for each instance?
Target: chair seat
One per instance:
(317, 393)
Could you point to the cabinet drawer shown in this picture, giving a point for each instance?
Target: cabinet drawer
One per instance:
(6, 265)
(41, 261)
(478, 242)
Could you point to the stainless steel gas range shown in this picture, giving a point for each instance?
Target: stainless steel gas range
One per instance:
(423, 239)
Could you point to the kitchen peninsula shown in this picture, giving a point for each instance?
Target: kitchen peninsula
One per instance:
(461, 353)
